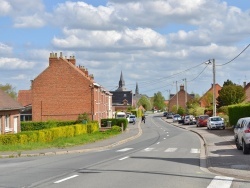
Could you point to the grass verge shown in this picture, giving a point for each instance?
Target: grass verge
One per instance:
(62, 142)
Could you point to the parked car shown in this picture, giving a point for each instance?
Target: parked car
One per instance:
(215, 122)
(131, 119)
(202, 121)
(242, 134)
(170, 115)
(176, 118)
(189, 120)
(165, 114)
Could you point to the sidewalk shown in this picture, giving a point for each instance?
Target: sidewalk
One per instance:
(132, 132)
(221, 153)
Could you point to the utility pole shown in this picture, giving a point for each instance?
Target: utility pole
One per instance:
(168, 98)
(185, 94)
(214, 94)
(177, 101)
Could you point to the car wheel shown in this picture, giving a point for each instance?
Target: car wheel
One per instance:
(207, 127)
(223, 127)
(245, 148)
(238, 146)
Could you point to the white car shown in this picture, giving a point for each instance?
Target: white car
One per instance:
(215, 122)
(242, 134)
(131, 119)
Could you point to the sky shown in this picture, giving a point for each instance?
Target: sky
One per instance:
(158, 44)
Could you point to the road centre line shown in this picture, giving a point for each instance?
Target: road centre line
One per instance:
(125, 149)
(221, 182)
(59, 181)
(158, 143)
(123, 158)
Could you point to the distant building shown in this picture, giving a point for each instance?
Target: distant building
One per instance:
(121, 97)
(247, 91)
(204, 100)
(179, 99)
(9, 114)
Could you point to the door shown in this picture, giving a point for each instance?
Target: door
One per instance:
(15, 124)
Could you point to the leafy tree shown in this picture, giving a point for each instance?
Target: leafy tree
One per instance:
(231, 94)
(9, 90)
(145, 102)
(174, 109)
(159, 101)
(180, 111)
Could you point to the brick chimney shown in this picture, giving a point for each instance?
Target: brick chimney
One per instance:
(53, 58)
(181, 87)
(72, 60)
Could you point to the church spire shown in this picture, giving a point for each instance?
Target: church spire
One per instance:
(121, 83)
(137, 89)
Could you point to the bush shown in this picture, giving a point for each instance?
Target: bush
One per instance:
(116, 128)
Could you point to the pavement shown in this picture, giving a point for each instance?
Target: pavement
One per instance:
(221, 156)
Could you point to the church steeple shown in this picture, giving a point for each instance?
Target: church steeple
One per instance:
(121, 84)
(137, 89)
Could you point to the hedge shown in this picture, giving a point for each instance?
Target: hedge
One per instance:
(48, 135)
(118, 122)
(238, 111)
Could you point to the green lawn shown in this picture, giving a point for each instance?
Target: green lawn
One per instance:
(62, 142)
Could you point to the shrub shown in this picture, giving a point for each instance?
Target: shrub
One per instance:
(116, 128)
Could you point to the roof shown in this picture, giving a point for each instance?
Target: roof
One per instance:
(25, 97)
(8, 103)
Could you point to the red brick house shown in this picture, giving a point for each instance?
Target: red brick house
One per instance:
(63, 91)
(9, 114)
(247, 91)
(182, 95)
(204, 100)
(25, 99)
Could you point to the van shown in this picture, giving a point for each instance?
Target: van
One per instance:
(120, 115)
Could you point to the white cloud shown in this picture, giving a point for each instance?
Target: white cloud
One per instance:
(4, 49)
(33, 21)
(14, 63)
(5, 7)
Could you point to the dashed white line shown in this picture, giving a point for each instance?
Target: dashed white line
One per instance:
(158, 143)
(170, 150)
(195, 150)
(148, 149)
(221, 182)
(123, 150)
(123, 158)
(59, 181)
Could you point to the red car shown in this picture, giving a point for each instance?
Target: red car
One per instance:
(202, 121)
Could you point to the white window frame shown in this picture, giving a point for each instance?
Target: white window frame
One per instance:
(7, 121)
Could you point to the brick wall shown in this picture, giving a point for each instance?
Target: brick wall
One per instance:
(61, 92)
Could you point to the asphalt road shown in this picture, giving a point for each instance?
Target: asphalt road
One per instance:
(163, 156)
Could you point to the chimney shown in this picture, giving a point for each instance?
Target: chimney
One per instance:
(244, 84)
(181, 87)
(52, 58)
(72, 60)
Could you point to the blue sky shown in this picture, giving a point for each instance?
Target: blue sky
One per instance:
(154, 43)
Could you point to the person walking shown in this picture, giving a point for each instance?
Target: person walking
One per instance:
(143, 118)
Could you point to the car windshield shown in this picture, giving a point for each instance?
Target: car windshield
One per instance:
(216, 119)
(132, 116)
(177, 116)
(204, 117)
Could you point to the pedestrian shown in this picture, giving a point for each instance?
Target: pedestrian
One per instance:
(143, 118)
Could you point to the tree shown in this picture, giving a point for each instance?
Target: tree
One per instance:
(159, 101)
(145, 102)
(208, 100)
(231, 94)
(9, 90)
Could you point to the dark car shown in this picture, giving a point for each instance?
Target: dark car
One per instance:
(202, 121)
(165, 114)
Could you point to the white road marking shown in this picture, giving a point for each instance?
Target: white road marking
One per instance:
(123, 150)
(170, 150)
(158, 142)
(164, 138)
(167, 135)
(221, 182)
(148, 149)
(123, 158)
(195, 150)
(59, 181)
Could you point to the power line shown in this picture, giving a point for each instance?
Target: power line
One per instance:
(235, 56)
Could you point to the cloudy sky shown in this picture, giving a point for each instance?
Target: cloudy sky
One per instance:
(155, 43)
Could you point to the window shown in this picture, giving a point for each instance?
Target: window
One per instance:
(125, 95)
(7, 121)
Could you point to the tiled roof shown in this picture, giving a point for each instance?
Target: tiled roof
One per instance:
(8, 103)
(24, 97)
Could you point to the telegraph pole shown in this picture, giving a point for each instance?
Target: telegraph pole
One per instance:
(186, 93)
(177, 101)
(214, 94)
